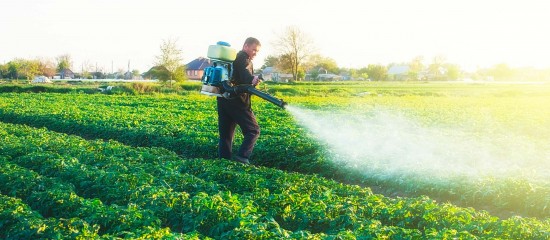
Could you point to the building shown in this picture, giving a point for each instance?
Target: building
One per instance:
(329, 77)
(272, 74)
(65, 74)
(398, 72)
(195, 68)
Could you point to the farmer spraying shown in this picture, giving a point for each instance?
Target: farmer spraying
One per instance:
(237, 110)
(231, 80)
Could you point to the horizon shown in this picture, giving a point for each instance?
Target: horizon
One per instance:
(468, 33)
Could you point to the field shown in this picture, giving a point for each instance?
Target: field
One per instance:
(347, 160)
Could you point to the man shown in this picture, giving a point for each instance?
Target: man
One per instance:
(238, 111)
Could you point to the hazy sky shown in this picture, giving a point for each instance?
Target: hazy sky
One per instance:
(472, 33)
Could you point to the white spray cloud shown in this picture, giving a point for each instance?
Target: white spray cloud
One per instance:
(388, 144)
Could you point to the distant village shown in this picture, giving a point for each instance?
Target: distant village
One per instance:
(194, 70)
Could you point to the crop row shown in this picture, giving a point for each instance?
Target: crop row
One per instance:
(218, 198)
(53, 198)
(19, 221)
(209, 213)
(187, 125)
(213, 213)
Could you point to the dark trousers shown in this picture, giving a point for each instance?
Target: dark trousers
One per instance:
(230, 114)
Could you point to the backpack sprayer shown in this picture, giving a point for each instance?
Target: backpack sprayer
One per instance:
(215, 81)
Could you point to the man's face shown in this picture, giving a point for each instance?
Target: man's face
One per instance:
(252, 50)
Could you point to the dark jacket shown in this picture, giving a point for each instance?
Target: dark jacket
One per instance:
(242, 74)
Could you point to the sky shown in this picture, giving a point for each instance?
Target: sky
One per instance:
(111, 34)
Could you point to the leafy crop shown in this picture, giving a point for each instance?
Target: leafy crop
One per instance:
(112, 190)
(139, 170)
(187, 125)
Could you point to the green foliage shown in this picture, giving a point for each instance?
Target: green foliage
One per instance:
(14, 68)
(19, 221)
(270, 61)
(158, 72)
(377, 72)
(501, 72)
(7, 88)
(159, 187)
(21, 68)
(98, 189)
(64, 62)
(180, 75)
(186, 125)
(170, 59)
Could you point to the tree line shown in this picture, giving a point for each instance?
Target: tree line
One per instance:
(21, 68)
(294, 53)
(168, 67)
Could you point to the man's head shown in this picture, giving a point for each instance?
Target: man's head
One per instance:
(251, 47)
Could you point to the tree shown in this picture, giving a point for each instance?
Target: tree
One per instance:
(47, 67)
(285, 64)
(437, 69)
(170, 58)
(295, 46)
(363, 73)
(31, 68)
(14, 67)
(135, 73)
(157, 72)
(453, 71)
(377, 72)
(3, 70)
(415, 67)
(318, 64)
(64, 62)
(99, 75)
(179, 74)
(502, 72)
(119, 74)
(271, 61)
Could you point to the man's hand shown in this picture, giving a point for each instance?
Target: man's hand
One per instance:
(257, 80)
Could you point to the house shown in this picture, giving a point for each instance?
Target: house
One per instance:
(329, 77)
(398, 72)
(66, 74)
(272, 74)
(195, 68)
(345, 76)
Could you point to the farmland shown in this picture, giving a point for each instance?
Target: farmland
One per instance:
(125, 165)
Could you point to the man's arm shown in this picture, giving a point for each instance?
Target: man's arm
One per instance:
(241, 65)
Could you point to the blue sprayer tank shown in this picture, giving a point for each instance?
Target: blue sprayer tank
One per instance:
(222, 56)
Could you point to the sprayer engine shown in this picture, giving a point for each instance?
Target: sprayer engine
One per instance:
(222, 56)
(215, 81)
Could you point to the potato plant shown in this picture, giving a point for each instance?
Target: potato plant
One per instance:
(105, 189)
(186, 124)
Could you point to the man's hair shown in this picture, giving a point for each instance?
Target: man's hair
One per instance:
(249, 41)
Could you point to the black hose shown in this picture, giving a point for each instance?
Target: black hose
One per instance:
(239, 89)
(267, 97)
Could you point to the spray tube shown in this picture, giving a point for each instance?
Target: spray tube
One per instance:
(231, 91)
(267, 97)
